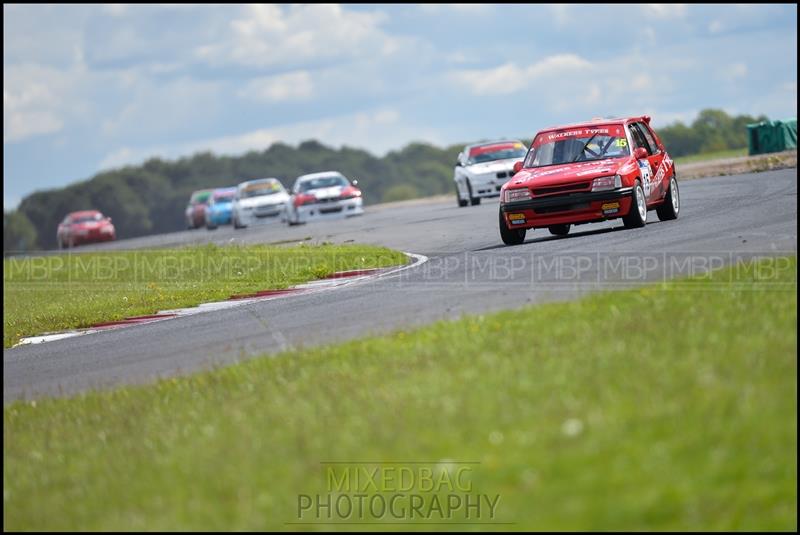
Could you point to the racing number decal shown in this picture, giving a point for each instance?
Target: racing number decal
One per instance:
(622, 142)
(644, 169)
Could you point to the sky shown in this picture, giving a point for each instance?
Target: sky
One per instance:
(93, 87)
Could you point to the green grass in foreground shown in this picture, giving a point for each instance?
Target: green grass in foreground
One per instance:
(668, 407)
(53, 293)
(708, 156)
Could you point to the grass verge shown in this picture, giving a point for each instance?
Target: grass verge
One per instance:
(672, 406)
(709, 156)
(53, 293)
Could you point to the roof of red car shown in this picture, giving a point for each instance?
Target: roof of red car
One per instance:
(83, 213)
(596, 121)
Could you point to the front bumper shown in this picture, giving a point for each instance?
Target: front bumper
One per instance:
(261, 215)
(93, 237)
(219, 218)
(489, 185)
(584, 207)
(330, 210)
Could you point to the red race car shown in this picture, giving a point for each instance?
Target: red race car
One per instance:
(88, 226)
(196, 209)
(589, 172)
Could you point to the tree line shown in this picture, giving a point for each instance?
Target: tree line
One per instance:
(150, 198)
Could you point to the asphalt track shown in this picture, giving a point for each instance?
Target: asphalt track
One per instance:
(722, 220)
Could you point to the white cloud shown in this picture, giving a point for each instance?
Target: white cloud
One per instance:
(561, 14)
(467, 9)
(268, 34)
(34, 98)
(116, 10)
(378, 130)
(510, 78)
(665, 11)
(157, 107)
(736, 71)
(642, 82)
(715, 26)
(283, 87)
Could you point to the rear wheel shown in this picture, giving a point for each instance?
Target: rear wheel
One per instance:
(559, 230)
(472, 200)
(637, 216)
(671, 206)
(510, 236)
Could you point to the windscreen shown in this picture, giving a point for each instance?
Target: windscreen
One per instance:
(578, 145)
(497, 151)
(258, 189)
(322, 182)
(88, 218)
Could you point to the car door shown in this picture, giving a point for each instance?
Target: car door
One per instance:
(661, 161)
(652, 190)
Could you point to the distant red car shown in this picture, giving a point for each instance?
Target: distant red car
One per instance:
(589, 172)
(88, 226)
(196, 209)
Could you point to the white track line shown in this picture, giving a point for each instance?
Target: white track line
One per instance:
(306, 288)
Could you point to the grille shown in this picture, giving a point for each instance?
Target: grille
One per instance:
(562, 208)
(559, 189)
(330, 210)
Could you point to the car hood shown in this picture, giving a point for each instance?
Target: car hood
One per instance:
(263, 200)
(569, 172)
(221, 206)
(491, 167)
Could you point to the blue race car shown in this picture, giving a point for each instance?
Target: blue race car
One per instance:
(219, 208)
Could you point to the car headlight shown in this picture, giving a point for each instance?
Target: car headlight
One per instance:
(520, 194)
(605, 183)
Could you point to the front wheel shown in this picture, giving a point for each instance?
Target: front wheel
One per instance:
(461, 202)
(671, 206)
(510, 236)
(637, 216)
(559, 230)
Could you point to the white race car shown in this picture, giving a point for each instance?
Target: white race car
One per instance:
(328, 195)
(259, 201)
(483, 168)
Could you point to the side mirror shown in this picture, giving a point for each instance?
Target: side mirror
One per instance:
(640, 153)
(108, 219)
(517, 167)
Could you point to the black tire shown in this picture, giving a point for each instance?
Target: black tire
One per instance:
(671, 207)
(209, 227)
(461, 202)
(510, 236)
(474, 201)
(559, 230)
(636, 216)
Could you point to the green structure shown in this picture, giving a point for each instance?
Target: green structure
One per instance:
(772, 136)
